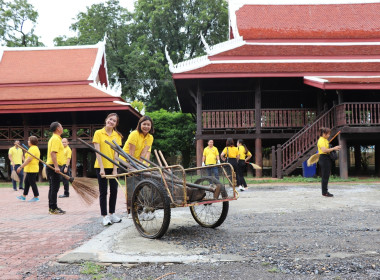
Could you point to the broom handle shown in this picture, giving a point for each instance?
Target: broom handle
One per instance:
(40, 160)
(335, 136)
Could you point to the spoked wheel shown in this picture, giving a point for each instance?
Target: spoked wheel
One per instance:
(210, 215)
(150, 209)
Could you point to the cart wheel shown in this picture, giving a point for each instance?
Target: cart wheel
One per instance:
(209, 215)
(150, 209)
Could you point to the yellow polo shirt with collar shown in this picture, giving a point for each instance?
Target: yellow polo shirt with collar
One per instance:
(33, 165)
(139, 141)
(242, 154)
(99, 137)
(322, 142)
(55, 145)
(210, 155)
(67, 153)
(232, 152)
(16, 154)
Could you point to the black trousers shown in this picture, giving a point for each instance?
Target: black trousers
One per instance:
(240, 173)
(103, 191)
(65, 182)
(54, 184)
(30, 181)
(325, 164)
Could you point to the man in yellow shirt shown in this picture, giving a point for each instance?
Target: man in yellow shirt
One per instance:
(66, 167)
(56, 159)
(16, 157)
(210, 157)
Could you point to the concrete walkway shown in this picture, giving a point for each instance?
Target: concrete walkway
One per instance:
(31, 237)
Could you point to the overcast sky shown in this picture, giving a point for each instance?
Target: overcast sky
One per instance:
(55, 17)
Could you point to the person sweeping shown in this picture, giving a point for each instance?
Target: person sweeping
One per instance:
(31, 168)
(105, 167)
(66, 167)
(244, 157)
(55, 158)
(324, 159)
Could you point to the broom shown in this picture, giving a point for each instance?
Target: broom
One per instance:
(14, 176)
(86, 188)
(254, 165)
(314, 158)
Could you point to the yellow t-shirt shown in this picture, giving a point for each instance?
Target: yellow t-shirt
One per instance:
(33, 166)
(232, 152)
(242, 154)
(210, 155)
(67, 153)
(322, 142)
(16, 154)
(99, 137)
(55, 145)
(139, 141)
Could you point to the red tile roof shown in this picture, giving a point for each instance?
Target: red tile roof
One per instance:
(344, 82)
(46, 65)
(335, 21)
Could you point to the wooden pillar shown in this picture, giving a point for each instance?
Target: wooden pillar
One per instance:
(258, 143)
(199, 145)
(274, 162)
(279, 161)
(199, 151)
(85, 163)
(377, 159)
(343, 167)
(340, 96)
(74, 151)
(358, 158)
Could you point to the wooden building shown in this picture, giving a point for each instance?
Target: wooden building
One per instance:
(288, 68)
(65, 84)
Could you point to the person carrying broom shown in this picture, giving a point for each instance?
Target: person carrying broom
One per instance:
(105, 167)
(324, 158)
(56, 159)
(16, 157)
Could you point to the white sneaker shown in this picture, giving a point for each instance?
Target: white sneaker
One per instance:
(106, 221)
(146, 216)
(114, 218)
(241, 188)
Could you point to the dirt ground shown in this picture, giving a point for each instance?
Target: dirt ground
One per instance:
(278, 232)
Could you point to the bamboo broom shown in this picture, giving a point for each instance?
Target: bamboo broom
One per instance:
(314, 158)
(86, 188)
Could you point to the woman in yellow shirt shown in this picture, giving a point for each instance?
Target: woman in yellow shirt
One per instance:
(244, 156)
(140, 141)
(230, 153)
(105, 167)
(324, 158)
(31, 166)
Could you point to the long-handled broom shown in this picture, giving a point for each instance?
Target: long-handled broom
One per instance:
(86, 188)
(314, 158)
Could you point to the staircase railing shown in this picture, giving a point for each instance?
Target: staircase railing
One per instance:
(306, 139)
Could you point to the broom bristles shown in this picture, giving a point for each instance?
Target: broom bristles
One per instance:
(14, 176)
(255, 166)
(313, 159)
(44, 175)
(86, 188)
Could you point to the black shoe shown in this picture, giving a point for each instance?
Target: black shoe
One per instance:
(328, 194)
(21, 188)
(63, 195)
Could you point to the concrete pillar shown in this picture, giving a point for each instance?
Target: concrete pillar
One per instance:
(343, 167)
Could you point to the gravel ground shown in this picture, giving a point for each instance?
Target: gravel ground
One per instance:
(329, 244)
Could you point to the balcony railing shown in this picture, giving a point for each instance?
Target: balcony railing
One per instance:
(12, 133)
(270, 118)
(358, 114)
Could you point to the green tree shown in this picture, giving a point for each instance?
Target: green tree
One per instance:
(139, 106)
(174, 134)
(136, 42)
(17, 23)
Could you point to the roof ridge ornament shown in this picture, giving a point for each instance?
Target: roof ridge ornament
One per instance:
(207, 47)
(170, 61)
